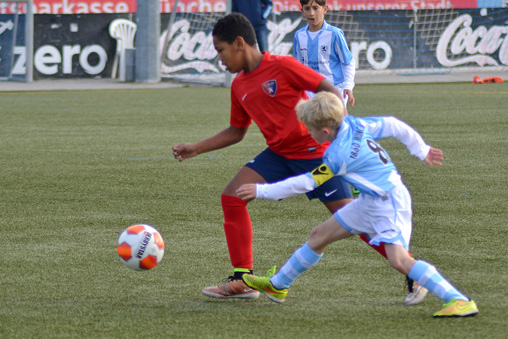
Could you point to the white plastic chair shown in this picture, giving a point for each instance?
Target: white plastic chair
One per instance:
(123, 31)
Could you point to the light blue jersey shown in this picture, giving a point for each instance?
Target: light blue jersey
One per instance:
(325, 53)
(359, 159)
(355, 155)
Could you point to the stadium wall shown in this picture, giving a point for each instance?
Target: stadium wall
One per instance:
(79, 46)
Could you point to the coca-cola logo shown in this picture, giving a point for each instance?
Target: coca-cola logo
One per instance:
(460, 44)
(196, 48)
(183, 49)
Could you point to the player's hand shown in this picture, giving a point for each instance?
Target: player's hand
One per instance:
(349, 94)
(247, 192)
(184, 151)
(435, 157)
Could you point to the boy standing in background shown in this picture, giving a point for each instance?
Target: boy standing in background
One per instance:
(257, 12)
(323, 48)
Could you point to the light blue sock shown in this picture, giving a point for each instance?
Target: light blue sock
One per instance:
(428, 276)
(303, 259)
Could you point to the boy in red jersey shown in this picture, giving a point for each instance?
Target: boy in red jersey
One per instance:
(266, 91)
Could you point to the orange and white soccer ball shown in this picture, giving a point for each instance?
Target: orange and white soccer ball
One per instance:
(140, 247)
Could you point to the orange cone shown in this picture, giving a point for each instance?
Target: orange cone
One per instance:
(494, 80)
(477, 80)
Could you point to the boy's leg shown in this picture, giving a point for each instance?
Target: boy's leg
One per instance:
(320, 237)
(416, 292)
(238, 230)
(457, 304)
(378, 248)
(397, 207)
(262, 38)
(304, 258)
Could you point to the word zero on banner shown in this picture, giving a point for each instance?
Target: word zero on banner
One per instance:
(460, 38)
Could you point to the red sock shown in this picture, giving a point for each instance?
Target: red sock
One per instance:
(238, 228)
(379, 249)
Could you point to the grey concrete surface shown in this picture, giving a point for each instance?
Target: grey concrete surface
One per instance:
(81, 84)
(362, 77)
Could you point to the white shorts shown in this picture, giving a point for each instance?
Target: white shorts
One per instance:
(385, 219)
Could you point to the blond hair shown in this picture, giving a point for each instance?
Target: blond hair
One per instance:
(323, 110)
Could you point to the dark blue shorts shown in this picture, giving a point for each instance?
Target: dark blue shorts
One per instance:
(273, 168)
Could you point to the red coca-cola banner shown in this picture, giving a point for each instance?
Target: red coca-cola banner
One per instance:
(129, 6)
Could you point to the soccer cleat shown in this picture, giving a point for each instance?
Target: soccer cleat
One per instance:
(264, 285)
(416, 292)
(231, 289)
(457, 308)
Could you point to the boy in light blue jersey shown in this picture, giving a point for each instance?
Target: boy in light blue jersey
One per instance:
(383, 210)
(323, 48)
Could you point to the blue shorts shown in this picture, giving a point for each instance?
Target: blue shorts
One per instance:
(273, 167)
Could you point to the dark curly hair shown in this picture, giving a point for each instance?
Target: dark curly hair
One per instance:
(319, 2)
(232, 26)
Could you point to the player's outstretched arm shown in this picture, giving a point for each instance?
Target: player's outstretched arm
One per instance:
(184, 151)
(434, 157)
(280, 190)
(247, 192)
(412, 140)
(225, 138)
(406, 134)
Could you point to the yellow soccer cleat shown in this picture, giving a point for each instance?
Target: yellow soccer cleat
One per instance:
(264, 285)
(457, 308)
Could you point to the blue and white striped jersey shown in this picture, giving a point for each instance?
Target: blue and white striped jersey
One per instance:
(355, 155)
(325, 53)
(361, 161)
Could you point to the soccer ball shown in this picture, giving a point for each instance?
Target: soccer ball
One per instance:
(140, 247)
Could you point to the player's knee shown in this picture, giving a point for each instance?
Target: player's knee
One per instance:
(315, 234)
(318, 237)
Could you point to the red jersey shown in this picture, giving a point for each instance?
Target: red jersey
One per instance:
(268, 95)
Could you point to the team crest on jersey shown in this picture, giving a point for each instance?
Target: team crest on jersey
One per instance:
(270, 87)
(324, 49)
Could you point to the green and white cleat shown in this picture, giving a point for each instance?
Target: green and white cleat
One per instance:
(457, 308)
(264, 285)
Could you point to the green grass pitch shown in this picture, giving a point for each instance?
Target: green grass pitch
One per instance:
(77, 167)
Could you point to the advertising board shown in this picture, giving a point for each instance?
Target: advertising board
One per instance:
(79, 45)
(203, 6)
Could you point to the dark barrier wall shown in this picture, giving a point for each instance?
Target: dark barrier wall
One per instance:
(74, 45)
(68, 46)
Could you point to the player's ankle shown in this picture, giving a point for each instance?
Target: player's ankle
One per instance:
(238, 274)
